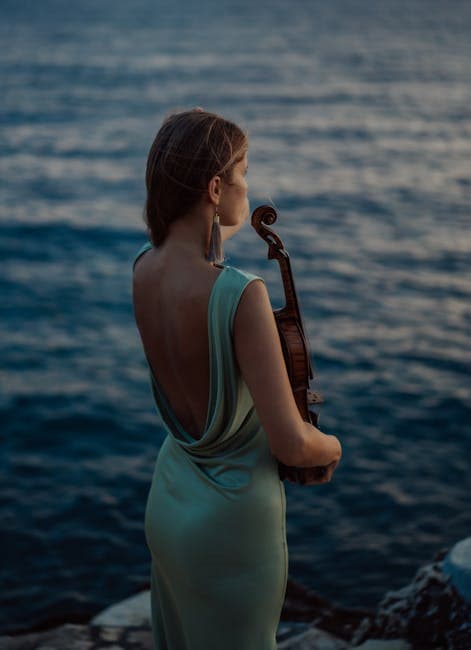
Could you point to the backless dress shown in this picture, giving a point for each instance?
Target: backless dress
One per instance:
(215, 512)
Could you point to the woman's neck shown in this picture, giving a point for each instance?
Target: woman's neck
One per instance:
(188, 237)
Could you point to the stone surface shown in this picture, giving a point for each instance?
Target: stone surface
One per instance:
(313, 639)
(133, 611)
(81, 637)
(70, 637)
(288, 629)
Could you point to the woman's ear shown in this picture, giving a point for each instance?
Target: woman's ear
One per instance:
(214, 189)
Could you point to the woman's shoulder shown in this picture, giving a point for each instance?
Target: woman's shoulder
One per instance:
(240, 276)
(143, 249)
(237, 286)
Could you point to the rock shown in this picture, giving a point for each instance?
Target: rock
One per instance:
(81, 637)
(429, 613)
(457, 565)
(70, 637)
(313, 639)
(289, 629)
(131, 612)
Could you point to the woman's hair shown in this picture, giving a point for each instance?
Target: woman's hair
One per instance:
(190, 148)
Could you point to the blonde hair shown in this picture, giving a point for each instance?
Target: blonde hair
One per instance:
(190, 148)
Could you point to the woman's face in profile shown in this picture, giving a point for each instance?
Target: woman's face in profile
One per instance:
(234, 204)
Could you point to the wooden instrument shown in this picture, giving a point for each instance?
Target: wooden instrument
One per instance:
(293, 340)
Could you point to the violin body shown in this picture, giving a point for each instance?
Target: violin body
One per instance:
(294, 344)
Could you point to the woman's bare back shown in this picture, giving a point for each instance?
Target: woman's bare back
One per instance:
(171, 311)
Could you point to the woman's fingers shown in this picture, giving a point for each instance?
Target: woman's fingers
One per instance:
(311, 475)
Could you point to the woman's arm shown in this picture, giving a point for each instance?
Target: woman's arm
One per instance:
(260, 358)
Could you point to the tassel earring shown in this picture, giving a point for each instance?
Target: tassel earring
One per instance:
(215, 253)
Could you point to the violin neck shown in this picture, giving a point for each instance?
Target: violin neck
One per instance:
(291, 309)
(291, 299)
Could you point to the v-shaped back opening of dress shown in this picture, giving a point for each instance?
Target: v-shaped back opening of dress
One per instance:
(159, 394)
(231, 419)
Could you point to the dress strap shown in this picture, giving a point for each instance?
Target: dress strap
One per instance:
(144, 248)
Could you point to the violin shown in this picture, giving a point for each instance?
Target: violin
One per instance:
(294, 343)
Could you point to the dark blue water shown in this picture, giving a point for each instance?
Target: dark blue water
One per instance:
(360, 129)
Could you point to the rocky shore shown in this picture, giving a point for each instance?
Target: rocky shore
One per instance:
(433, 612)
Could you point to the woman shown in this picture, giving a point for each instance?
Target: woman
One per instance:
(215, 514)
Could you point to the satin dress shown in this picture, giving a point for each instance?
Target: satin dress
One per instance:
(215, 518)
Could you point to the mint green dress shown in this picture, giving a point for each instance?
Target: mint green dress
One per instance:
(216, 509)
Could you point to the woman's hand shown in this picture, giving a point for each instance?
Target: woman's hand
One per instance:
(310, 476)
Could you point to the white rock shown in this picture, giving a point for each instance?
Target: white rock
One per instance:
(457, 564)
(127, 613)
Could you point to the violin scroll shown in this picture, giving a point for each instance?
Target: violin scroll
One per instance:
(262, 218)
